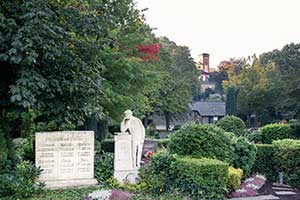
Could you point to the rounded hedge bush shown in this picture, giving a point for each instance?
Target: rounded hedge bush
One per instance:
(232, 124)
(244, 154)
(272, 132)
(207, 141)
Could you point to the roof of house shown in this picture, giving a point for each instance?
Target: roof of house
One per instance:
(209, 108)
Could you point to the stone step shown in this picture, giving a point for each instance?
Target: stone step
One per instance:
(283, 193)
(281, 185)
(263, 197)
(282, 189)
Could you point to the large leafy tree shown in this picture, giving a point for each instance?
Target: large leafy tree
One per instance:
(257, 85)
(287, 62)
(179, 77)
(72, 60)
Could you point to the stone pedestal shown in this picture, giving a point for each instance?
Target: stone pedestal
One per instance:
(123, 164)
(66, 157)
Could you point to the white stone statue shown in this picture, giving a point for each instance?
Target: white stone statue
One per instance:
(136, 128)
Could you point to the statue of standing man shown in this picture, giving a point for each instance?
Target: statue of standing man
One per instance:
(136, 128)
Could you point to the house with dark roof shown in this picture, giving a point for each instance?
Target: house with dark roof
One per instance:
(207, 112)
(199, 112)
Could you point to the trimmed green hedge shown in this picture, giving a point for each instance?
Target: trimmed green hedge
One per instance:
(157, 174)
(295, 129)
(287, 160)
(201, 178)
(281, 156)
(264, 162)
(272, 132)
(198, 141)
(232, 124)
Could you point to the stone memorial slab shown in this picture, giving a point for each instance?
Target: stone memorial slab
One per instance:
(66, 157)
(124, 170)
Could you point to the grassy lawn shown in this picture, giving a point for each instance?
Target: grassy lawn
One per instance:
(80, 193)
(67, 194)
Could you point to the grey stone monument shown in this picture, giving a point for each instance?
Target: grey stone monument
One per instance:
(66, 157)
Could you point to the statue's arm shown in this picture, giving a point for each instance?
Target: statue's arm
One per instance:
(123, 126)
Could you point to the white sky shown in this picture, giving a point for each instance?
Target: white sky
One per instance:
(225, 28)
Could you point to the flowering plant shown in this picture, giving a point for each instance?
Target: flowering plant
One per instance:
(149, 154)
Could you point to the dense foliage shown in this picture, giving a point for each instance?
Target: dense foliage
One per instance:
(161, 178)
(255, 86)
(267, 87)
(244, 154)
(232, 124)
(234, 179)
(287, 62)
(265, 161)
(7, 152)
(255, 136)
(201, 178)
(202, 141)
(272, 132)
(71, 63)
(287, 160)
(21, 181)
(104, 167)
(281, 156)
(295, 129)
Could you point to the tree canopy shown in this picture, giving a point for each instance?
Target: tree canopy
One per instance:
(67, 61)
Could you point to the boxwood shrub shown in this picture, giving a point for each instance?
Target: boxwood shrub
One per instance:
(287, 160)
(202, 141)
(233, 124)
(265, 162)
(234, 178)
(295, 129)
(272, 132)
(157, 174)
(255, 136)
(244, 154)
(201, 178)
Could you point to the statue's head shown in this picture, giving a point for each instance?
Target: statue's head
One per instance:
(128, 113)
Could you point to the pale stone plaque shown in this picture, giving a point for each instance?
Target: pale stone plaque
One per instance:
(66, 157)
(124, 171)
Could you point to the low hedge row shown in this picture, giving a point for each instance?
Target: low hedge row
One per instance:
(201, 178)
(281, 156)
(287, 160)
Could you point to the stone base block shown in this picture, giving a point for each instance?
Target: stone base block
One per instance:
(70, 183)
(127, 176)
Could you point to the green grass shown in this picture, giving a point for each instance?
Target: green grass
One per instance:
(67, 194)
(80, 193)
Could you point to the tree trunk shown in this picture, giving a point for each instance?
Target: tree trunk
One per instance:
(167, 117)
